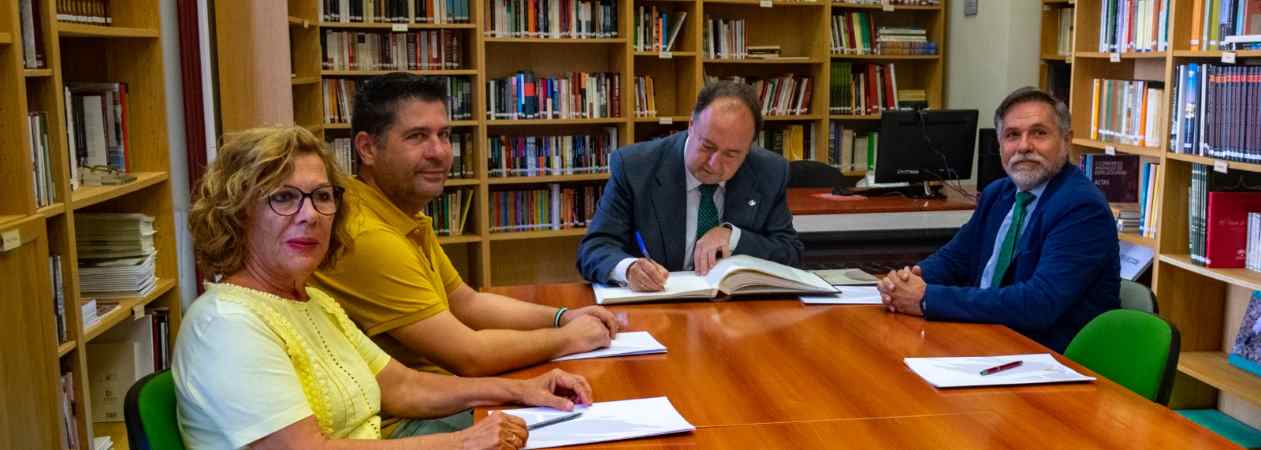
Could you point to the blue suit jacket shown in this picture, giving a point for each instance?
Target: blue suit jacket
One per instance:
(647, 192)
(1066, 269)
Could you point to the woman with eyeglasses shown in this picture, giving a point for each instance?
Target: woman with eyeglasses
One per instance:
(265, 362)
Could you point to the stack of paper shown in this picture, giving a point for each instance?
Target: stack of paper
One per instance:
(603, 422)
(624, 344)
(1036, 368)
(116, 254)
(846, 295)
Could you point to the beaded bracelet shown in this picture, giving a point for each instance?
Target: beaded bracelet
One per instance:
(556, 318)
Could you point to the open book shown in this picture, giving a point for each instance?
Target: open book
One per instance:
(733, 275)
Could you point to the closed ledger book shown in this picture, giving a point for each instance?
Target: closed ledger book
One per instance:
(734, 275)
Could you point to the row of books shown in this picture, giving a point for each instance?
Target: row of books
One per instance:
(645, 96)
(573, 95)
(850, 150)
(725, 38)
(91, 311)
(379, 50)
(554, 19)
(864, 88)
(395, 11)
(856, 33)
(59, 299)
(1218, 210)
(344, 154)
(97, 129)
(524, 156)
(116, 254)
(889, 2)
(84, 11)
(1064, 33)
(1126, 112)
(339, 95)
(1133, 25)
(450, 211)
(1252, 261)
(552, 208)
(68, 406)
(657, 29)
(29, 16)
(783, 95)
(42, 164)
(1218, 119)
(794, 142)
(1225, 24)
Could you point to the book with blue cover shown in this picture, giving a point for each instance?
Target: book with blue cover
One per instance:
(1246, 354)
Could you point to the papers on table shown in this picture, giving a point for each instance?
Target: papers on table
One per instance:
(1036, 368)
(1135, 259)
(605, 421)
(846, 295)
(624, 344)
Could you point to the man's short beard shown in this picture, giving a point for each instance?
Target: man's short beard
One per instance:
(1028, 179)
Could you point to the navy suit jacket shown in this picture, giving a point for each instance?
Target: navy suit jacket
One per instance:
(647, 192)
(1065, 270)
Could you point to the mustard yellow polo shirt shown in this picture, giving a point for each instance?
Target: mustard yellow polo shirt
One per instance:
(393, 274)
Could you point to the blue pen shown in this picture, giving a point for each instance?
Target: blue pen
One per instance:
(643, 248)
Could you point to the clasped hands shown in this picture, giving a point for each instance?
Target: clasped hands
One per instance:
(646, 275)
(902, 291)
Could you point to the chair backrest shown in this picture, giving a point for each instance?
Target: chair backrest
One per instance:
(150, 413)
(808, 173)
(1132, 348)
(1138, 297)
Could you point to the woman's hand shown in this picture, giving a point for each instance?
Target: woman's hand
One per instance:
(497, 431)
(557, 389)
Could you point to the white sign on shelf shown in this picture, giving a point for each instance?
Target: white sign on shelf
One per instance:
(1228, 57)
(399, 27)
(10, 240)
(1110, 150)
(887, 7)
(665, 120)
(1114, 57)
(1219, 166)
(665, 54)
(765, 3)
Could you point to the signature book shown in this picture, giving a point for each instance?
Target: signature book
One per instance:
(734, 275)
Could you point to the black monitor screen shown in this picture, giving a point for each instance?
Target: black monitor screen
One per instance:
(917, 146)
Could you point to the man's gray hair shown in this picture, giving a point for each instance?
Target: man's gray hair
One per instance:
(1032, 94)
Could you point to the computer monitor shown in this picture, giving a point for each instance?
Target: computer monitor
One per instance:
(919, 146)
(989, 161)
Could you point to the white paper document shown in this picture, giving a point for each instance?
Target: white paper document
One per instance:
(605, 421)
(1035, 368)
(846, 295)
(624, 344)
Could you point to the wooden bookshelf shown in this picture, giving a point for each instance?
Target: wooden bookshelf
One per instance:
(1192, 297)
(1052, 66)
(678, 76)
(128, 51)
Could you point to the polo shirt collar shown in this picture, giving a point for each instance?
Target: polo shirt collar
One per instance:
(372, 199)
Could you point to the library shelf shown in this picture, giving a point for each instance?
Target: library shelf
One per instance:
(1215, 54)
(781, 61)
(523, 122)
(37, 73)
(673, 54)
(547, 179)
(1122, 55)
(456, 182)
(1213, 369)
(1135, 238)
(854, 117)
(300, 81)
(541, 234)
(391, 26)
(803, 117)
(1055, 57)
(52, 210)
(1232, 165)
(1238, 277)
(6, 38)
(126, 309)
(764, 3)
(879, 57)
(844, 5)
(372, 73)
(663, 120)
(71, 29)
(65, 348)
(512, 40)
(1137, 150)
(90, 195)
(461, 239)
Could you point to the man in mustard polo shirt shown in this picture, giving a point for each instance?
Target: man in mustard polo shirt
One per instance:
(395, 281)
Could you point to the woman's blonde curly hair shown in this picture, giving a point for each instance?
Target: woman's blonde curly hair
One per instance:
(249, 166)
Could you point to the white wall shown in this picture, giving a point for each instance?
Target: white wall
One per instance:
(991, 54)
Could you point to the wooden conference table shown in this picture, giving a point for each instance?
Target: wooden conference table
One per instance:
(777, 374)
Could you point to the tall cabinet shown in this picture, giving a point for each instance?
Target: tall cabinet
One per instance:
(32, 360)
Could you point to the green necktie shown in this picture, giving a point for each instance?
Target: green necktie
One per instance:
(1009, 241)
(706, 212)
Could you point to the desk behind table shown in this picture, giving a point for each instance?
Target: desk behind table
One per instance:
(747, 371)
(873, 233)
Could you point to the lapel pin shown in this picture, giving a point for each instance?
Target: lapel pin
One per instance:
(752, 202)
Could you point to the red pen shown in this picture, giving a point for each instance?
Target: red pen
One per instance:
(1002, 367)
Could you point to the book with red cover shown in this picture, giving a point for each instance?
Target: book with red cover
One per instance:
(1226, 237)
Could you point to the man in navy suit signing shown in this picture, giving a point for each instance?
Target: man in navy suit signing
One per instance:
(1039, 253)
(687, 200)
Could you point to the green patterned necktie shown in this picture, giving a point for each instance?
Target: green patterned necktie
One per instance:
(1009, 241)
(706, 212)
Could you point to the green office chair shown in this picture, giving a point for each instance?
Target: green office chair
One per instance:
(150, 413)
(1138, 297)
(1132, 348)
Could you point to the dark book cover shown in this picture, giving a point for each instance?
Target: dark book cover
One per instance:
(1116, 176)
(1226, 233)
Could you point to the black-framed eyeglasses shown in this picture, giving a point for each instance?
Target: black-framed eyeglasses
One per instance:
(287, 200)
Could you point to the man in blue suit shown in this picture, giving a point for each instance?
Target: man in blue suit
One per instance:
(692, 197)
(1039, 253)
